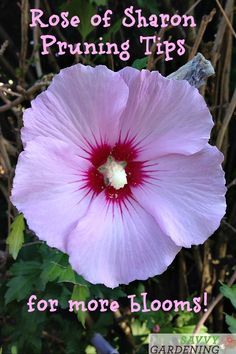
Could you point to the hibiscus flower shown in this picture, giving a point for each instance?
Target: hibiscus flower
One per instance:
(117, 171)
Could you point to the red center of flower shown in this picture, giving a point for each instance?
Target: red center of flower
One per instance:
(112, 163)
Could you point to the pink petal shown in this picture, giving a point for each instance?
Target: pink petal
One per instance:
(113, 247)
(83, 104)
(185, 194)
(166, 116)
(47, 189)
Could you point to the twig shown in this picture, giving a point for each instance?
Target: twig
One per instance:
(151, 61)
(183, 282)
(198, 260)
(32, 90)
(7, 101)
(24, 39)
(36, 45)
(220, 252)
(220, 34)
(5, 63)
(193, 7)
(126, 330)
(4, 191)
(55, 28)
(11, 46)
(226, 19)
(32, 243)
(202, 29)
(9, 91)
(207, 269)
(229, 226)
(212, 306)
(231, 184)
(13, 54)
(52, 60)
(4, 47)
(4, 154)
(226, 121)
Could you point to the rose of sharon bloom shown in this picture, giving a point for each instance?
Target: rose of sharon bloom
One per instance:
(117, 171)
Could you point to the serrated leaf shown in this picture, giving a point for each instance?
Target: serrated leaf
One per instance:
(231, 322)
(19, 288)
(25, 268)
(229, 293)
(138, 328)
(80, 293)
(51, 269)
(25, 276)
(140, 63)
(15, 238)
(54, 271)
(67, 275)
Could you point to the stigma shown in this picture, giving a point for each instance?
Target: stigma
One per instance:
(114, 173)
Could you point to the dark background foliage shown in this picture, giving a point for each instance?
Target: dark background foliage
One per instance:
(46, 272)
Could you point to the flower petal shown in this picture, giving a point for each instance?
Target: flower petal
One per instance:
(82, 104)
(166, 116)
(185, 194)
(116, 246)
(48, 189)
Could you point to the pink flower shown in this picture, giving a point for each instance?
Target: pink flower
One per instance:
(117, 171)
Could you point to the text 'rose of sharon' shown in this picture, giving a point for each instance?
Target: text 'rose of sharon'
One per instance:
(117, 171)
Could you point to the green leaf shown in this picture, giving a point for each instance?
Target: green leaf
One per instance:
(90, 350)
(138, 328)
(56, 269)
(19, 288)
(140, 63)
(229, 293)
(25, 277)
(51, 269)
(85, 10)
(14, 350)
(80, 293)
(231, 322)
(28, 331)
(99, 2)
(102, 291)
(67, 275)
(15, 238)
(108, 36)
(24, 268)
(103, 323)
(189, 329)
(151, 5)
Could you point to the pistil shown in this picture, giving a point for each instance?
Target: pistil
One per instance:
(114, 173)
